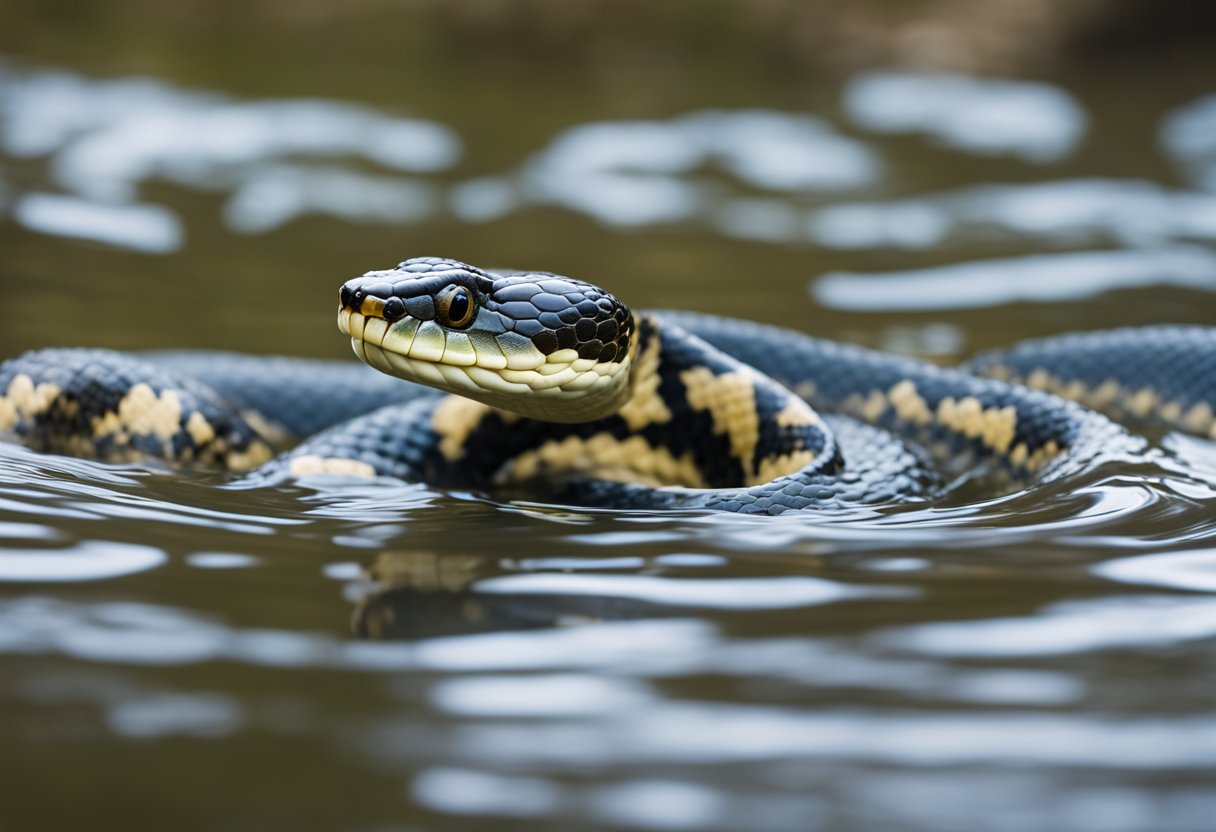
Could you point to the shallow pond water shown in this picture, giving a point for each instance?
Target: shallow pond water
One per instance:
(385, 656)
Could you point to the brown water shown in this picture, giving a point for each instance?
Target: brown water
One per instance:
(386, 657)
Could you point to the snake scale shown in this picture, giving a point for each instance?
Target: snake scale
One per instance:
(533, 377)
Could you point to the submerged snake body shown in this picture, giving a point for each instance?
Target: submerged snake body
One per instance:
(558, 381)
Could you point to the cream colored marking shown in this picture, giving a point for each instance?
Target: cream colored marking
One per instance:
(873, 408)
(1019, 453)
(272, 432)
(199, 428)
(458, 380)
(645, 406)
(492, 382)
(1040, 379)
(730, 400)
(141, 411)
(1000, 426)
(311, 465)
(8, 414)
(603, 455)
(489, 354)
(426, 570)
(253, 456)
(1199, 419)
(796, 414)
(994, 426)
(428, 342)
(29, 400)
(400, 336)
(520, 354)
(1043, 455)
(781, 465)
(1074, 390)
(1105, 394)
(908, 404)
(999, 372)
(458, 351)
(374, 330)
(454, 419)
(806, 389)
(1143, 402)
(1172, 412)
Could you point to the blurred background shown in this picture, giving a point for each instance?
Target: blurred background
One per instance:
(930, 177)
(713, 155)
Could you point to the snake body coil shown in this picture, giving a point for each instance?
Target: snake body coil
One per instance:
(552, 379)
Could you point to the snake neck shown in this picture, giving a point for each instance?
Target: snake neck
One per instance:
(693, 417)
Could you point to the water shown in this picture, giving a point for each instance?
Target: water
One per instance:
(387, 657)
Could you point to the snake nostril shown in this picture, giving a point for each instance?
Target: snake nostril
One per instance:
(394, 309)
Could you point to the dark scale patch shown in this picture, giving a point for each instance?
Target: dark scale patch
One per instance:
(516, 292)
(549, 303)
(690, 432)
(1173, 362)
(545, 341)
(396, 441)
(566, 339)
(585, 329)
(422, 308)
(561, 312)
(520, 310)
(682, 352)
(92, 385)
(838, 372)
(778, 440)
(530, 329)
(560, 286)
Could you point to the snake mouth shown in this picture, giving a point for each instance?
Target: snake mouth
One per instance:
(503, 370)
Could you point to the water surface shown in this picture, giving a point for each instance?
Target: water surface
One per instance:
(386, 656)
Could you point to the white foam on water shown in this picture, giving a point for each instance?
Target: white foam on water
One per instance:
(152, 229)
(1038, 278)
(88, 560)
(1034, 121)
(1189, 135)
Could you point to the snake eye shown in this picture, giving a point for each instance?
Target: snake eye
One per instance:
(394, 309)
(454, 306)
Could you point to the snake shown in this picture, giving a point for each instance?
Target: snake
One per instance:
(488, 381)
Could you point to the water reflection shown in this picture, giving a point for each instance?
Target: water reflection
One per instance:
(1188, 134)
(151, 229)
(1035, 121)
(89, 560)
(1034, 660)
(1070, 211)
(1039, 278)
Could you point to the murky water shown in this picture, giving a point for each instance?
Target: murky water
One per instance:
(175, 655)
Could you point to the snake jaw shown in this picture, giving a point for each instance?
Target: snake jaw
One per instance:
(576, 370)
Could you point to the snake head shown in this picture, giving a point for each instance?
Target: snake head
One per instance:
(537, 344)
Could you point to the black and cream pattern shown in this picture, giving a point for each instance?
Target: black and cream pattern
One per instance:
(557, 381)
